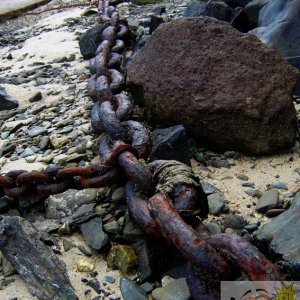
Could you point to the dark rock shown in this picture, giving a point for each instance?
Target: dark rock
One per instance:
(93, 234)
(144, 269)
(95, 285)
(68, 245)
(278, 26)
(271, 213)
(248, 184)
(208, 188)
(170, 144)
(36, 97)
(240, 21)
(84, 250)
(213, 228)
(280, 186)
(94, 274)
(282, 234)
(176, 289)
(237, 3)
(90, 40)
(147, 287)
(131, 291)
(251, 228)
(154, 23)
(218, 163)
(44, 275)
(37, 130)
(215, 203)
(252, 10)
(6, 101)
(234, 222)
(268, 200)
(209, 54)
(213, 8)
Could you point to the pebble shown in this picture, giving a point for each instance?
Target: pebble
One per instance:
(68, 245)
(27, 152)
(131, 291)
(147, 287)
(118, 194)
(215, 204)
(280, 186)
(58, 142)
(95, 285)
(268, 200)
(36, 97)
(251, 227)
(112, 227)
(248, 184)
(208, 188)
(109, 279)
(253, 193)
(177, 289)
(271, 213)
(242, 177)
(213, 228)
(85, 266)
(31, 159)
(37, 130)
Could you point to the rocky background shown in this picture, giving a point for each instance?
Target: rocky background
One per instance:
(209, 83)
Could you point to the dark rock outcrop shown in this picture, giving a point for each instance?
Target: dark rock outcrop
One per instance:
(6, 101)
(225, 87)
(278, 26)
(252, 10)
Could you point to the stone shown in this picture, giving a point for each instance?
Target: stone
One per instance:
(235, 222)
(8, 269)
(44, 142)
(68, 245)
(93, 234)
(208, 188)
(36, 97)
(242, 177)
(117, 194)
(84, 250)
(280, 186)
(27, 152)
(95, 285)
(85, 266)
(6, 101)
(110, 279)
(213, 228)
(176, 289)
(278, 26)
(147, 287)
(215, 203)
(252, 10)
(214, 86)
(253, 193)
(268, 200)
(251, 227)
(271, 213)
(44, 274)
(170, 144)
(281, 235)
(58, 142)
(130, 290)
(213, 8)
(122, 258)
(37, 130)
(90, 40)
(31, 159)
(112, 227)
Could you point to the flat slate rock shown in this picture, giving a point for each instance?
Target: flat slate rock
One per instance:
(282, 234)
(44, 274)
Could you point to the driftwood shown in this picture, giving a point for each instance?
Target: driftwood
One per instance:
(44, 274)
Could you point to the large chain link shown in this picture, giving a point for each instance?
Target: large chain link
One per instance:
(212, 258)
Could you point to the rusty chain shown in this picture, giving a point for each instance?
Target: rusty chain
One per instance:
(160, 213)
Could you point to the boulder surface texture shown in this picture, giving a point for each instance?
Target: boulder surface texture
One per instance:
(227, 88)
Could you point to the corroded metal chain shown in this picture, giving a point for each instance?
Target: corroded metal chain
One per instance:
(159, 210)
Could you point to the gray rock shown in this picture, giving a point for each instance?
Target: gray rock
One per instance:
(215, 203)
(27, 152)
(252, 10)
(44, 142)
(271, 213)
(208, 188)
(268, 200)
(175, 290)
(248, 184)
(253, 193)
(131, 291)
(213, 228)
(90, 40)
(170, 144)
(110, 279)
(8, 269)
(282, 234)
(6, 101)
(278, 26)
(93, 234)
(36, 97)
(37, 130)
(280, 186)
(147, 287)
(68, 245)
(112, 227)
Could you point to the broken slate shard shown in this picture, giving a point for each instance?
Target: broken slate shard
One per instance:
(44, 274)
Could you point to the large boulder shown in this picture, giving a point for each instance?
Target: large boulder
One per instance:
(278, 26)
(225, 87)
